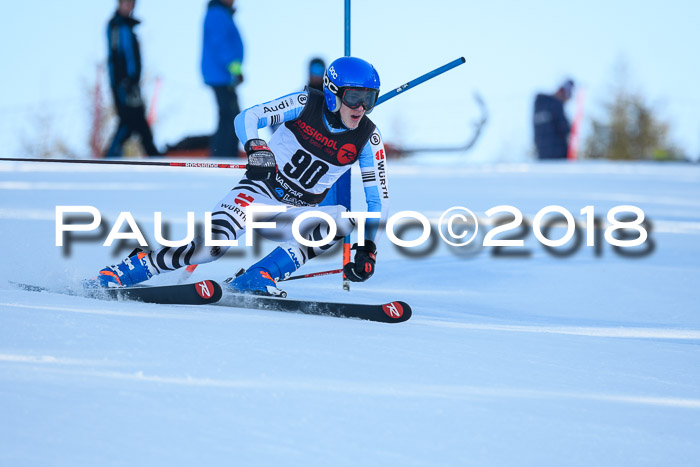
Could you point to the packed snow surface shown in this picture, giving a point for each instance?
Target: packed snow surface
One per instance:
(514, 356)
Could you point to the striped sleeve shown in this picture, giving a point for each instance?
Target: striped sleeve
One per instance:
(274, 112)
(374, 181)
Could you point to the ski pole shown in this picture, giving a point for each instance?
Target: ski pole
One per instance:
(575, 127)
(152, 110)
(313, 274)
(207, 165)
(187, 273)
(190, 269)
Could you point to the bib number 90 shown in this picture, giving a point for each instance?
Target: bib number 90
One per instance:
(305, 169)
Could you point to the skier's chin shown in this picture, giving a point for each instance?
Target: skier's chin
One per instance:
(351, 118)
(352, 121)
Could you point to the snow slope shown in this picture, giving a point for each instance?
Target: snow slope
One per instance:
(530, 360)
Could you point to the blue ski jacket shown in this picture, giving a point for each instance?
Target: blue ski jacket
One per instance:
(222, 47)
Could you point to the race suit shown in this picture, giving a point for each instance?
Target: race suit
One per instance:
(312, 150)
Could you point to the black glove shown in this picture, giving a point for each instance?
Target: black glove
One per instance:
(363, 267)
(130, 93)
(261, 161)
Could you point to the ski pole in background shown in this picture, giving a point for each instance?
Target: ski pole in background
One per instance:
(153, 108)
(206, 165)
(572, 153)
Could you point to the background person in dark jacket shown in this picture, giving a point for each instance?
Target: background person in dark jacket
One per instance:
(317, 68)
(222, 56)
(124, 74)
(551, 126)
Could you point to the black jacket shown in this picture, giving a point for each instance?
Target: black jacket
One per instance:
(124, 57)
(551, 127)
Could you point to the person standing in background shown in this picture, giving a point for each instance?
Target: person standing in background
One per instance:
(124, 62)
(317, 68)
(551, 126)
(222, 57)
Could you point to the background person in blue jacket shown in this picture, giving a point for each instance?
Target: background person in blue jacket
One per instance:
(124, 74)
(551, 126)
(222, 55)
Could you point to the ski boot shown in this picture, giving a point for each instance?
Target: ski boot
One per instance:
(131, 271)
(260, 278)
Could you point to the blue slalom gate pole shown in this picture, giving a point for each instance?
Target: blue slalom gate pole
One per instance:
(347, 28)
(419, 80)
(344, 184)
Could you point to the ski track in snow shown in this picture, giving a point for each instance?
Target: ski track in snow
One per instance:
(347, 388)
(591, 331)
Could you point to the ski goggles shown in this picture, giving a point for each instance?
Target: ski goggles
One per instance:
(355, 97)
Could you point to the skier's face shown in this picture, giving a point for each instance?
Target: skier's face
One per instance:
(351, 117)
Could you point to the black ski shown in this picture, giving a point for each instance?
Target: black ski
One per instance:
(209, 292)
(199, 293)
(393, 312)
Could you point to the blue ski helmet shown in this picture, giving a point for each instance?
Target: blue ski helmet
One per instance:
(348, 72)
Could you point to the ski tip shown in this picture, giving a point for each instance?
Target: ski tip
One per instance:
(210, 291)
(397, 312)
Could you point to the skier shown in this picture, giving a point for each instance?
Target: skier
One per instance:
(322, 136)
(124, 75)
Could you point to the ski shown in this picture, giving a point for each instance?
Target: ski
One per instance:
(210, 292)
(392, 312)
(198, 293)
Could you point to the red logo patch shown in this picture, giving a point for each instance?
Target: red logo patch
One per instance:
(379, 154)
(205, 289)
(243, 200)
(393, 310)
(347, 153)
